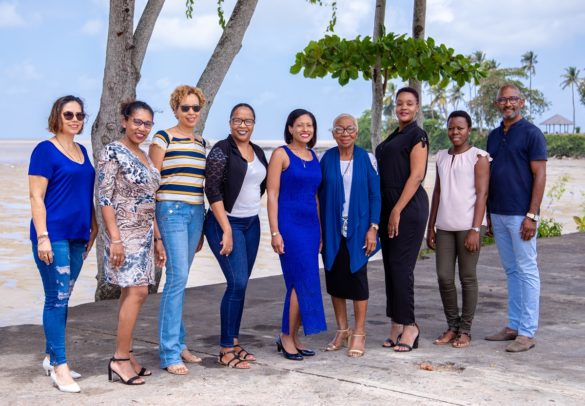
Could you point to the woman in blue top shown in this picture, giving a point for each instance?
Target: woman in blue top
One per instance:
(293, 180)
(63, 226)
(350, 202)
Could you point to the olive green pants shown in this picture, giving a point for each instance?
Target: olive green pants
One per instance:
(451, 249)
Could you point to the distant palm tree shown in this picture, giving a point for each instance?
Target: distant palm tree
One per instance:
(529, 62)
(571, 78)
(456, 96)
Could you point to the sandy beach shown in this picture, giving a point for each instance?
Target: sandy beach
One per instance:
(21, 297)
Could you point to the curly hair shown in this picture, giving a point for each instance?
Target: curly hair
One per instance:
(55, 122)
(185, 90)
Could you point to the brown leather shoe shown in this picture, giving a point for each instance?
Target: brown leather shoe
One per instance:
(520, 344)
(507, 334)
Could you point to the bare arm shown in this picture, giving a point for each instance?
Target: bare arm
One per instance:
(93, 232)
(160, 254)
(278, 162)
(37, 186)
(156, 154)
(418, 162)
(117, 254)
(431, 233)
(538, 168)
(482, 181)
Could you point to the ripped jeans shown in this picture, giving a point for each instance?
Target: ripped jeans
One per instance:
(58, 280)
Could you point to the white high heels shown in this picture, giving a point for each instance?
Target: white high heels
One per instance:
(69, 388)
(48, 368)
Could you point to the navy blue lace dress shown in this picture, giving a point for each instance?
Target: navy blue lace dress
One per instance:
(298, 223)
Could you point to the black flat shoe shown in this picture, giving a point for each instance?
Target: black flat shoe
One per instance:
(280, 348)
(306, 352)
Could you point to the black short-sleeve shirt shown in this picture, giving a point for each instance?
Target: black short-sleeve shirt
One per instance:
(393, 155)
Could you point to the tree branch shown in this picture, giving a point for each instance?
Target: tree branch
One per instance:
(225, 51)
(144, 31)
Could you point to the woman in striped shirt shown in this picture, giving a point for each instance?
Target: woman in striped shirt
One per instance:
(179, 154)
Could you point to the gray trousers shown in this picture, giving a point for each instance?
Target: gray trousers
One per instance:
(450, 248)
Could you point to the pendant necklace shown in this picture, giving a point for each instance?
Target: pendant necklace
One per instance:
(74, 159)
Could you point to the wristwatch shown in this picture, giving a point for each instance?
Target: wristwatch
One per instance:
(476, 229)
(533, 217)
(374, 226)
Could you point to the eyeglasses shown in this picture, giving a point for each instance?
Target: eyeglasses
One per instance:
(511, 99)
(147, 124)
(68, 115)
(238, 121)
(340, 130)
(185, 108)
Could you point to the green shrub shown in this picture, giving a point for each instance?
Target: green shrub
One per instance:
(549, 228)
(565, 145)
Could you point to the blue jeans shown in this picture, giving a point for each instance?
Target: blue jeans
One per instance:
(519, 261)
(236, 268)
(58, 280)
(180, 226)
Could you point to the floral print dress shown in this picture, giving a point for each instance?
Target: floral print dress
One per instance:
(129, 186)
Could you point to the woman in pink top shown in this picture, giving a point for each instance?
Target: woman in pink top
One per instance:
(458, 213)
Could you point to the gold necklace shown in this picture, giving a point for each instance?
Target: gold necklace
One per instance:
(74, 159)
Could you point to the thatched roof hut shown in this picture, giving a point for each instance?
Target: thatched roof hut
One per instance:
(555, 120)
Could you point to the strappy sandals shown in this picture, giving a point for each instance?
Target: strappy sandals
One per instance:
(447, 337)
(130, 381)
(243, 354)
(233, 362)
(345, 334)
(463, 340)
(356, 352)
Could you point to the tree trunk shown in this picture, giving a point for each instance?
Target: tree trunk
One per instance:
(124, 56)
(377, 79)
(224, 54)
(418, 31)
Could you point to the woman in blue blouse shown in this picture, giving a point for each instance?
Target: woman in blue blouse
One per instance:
(63, 226)
(350, 202)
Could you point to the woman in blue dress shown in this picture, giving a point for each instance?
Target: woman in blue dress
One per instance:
(294, 175)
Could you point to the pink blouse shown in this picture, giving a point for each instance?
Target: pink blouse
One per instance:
(457, 179)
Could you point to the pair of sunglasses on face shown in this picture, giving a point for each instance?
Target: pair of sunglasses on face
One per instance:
(185, 108)
(68, 115)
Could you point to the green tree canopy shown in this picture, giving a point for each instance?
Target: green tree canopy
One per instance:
(401, 56)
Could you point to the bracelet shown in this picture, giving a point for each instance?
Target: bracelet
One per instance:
(116, 242)
(45, 234)
(274, 234)
(42, 237)
(157, 239)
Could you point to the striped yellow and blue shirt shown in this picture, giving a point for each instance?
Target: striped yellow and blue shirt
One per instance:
(183, 169)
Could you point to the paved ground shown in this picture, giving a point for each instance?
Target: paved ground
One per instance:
(552, 373)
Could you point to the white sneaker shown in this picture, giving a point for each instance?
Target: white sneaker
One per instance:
(70, 388)
(48, 368)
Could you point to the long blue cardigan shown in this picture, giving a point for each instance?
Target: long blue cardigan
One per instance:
(364, 207)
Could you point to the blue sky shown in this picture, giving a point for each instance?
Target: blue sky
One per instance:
(57, 47)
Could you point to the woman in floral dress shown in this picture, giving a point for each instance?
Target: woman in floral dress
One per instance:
(128, 182)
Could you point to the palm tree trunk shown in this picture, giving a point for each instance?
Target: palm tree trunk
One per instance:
(377, 79)
(418, 31)
(573, 94)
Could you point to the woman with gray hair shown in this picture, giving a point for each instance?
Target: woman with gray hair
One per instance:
(349, 199)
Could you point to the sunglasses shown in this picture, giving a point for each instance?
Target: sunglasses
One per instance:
(68, 115)
(147, 124)
(185, 108)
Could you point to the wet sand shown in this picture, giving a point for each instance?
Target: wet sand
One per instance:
(21, 293)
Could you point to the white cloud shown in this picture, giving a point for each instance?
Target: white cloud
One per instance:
(163, 83)
(350, 15)
(264, 98)
(23, 71)
(202, 32)
(504, 27)
(92, 27)
(9, 16)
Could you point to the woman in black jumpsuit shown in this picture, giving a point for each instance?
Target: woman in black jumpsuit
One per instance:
(402, 162)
